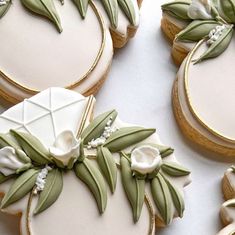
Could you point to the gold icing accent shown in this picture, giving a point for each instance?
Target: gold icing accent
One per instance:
(188, 99)
(84, 77)
(88, 110)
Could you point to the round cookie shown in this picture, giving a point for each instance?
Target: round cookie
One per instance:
(136, 180)
(227, 212)
(74, 50)
(203, 45)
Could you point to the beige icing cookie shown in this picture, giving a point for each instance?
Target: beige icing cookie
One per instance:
(227, 212)
(203, 45)
(35, 56)
(61, 177)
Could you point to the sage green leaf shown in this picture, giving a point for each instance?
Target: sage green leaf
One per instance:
(127, 136)
(174, 169)
(128, 8)
(32, 146)
(4, 8)
(4, 178)
(228, 10)
(177, 198)
(96, 128)
(93, 178)
(108, 166)
(6, 140)
(197, 30)
(21, 186)
(177, 9)
(133, 187)
(219, 46)
(82, 6)
(111, 7)
(44, 8)
(162, 198)
(51, 192)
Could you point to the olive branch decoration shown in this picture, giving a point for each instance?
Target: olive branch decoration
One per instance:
(213, 23)
(34, 168)
(46, 8)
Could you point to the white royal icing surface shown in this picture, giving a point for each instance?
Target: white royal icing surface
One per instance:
(57, 110)
(44, 58)
(211, 96)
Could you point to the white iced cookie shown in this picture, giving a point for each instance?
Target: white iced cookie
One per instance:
(203, 91)
(70, 46)
(85, 169)
(227, 212)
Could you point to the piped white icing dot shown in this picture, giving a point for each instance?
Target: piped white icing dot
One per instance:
(41, 179)
(108, 130)
(215, 34)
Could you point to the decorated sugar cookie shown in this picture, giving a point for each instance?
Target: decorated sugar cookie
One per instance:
(70, 44)
(57, 162)
(227, 212)
(203, 93)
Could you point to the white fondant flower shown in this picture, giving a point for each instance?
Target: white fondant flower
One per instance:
(66, 147)
(9, 161)
(200, 9)
(145, 159)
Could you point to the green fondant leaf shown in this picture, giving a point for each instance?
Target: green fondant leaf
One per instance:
(128, 8)
(93, 178)
(177, 198)
(45, 8)
(21, 186)
(134, 188)
(5, 140)
(127, 136)
(4, 8)
(111, 7)
(4, 178)
(227, 10)
(177, 9)
(96, 128)
(162, 198)
(52, 189)
(174, 169)
(219, 46)
(32, 147)
(108, 166)
(82, 6)
(197, 30)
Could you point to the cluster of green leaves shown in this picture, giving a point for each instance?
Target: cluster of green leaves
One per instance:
(166, 196)
(223, 12)
(85, 170)
(96, 178)
(47, 9)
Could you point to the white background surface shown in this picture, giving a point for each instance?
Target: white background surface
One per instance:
(139, 87)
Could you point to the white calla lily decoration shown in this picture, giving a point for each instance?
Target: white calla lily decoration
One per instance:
(200, 9)
(145, 159)
(10, 163)
(66, 148)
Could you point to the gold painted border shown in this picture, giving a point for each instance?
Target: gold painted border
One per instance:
(84, 77)
(188, 98)
(147, 201)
